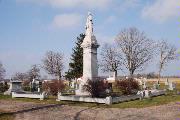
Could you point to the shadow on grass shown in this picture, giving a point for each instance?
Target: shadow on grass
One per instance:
(10, 115)
(160, 100)
(6, 116)
(79, 113)
(31, 109)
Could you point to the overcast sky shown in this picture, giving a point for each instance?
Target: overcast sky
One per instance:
(29, 28)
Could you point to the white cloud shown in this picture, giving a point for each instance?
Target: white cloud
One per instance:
(162, 10)
(75, 3)
(72, 3)
(130, 3)
(66, 20)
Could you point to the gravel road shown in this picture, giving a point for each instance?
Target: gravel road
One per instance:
(164, 112)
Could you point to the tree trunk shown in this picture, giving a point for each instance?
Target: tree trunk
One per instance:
(159, 75)
(115, 75)
(59, 76)
(131, 73)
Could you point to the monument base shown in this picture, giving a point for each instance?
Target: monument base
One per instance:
(79, 91)
(15, 86)
(9, 91)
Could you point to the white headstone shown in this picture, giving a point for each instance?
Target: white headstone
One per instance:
(167, 82)
(144, 85)
(140, 82)
(172, 86)
(39, 90)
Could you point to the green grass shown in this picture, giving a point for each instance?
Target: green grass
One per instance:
(4, 97)
(160, 100)
(7, 117)
(155, 101)
(4, 115)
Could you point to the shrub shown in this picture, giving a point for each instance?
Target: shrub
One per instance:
(26, 88)
(97, 88)
(127, 87)
(53, 87)
(3, 87)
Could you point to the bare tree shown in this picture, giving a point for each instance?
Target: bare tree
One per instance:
(137, 50)
(2, 72)
(53, 63)
(34, 72)
(20, 76)
(111, 59)
(167, 53)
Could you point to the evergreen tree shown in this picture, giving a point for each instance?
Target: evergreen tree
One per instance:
(76, 64)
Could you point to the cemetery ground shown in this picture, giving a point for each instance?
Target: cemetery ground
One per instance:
(165, 107)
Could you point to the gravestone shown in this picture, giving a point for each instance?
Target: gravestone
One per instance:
(90, 65)
(172, 86)
(36, 84)
(167, 82)
(144, 85)
(15, 86)
(140, 82)
(156, 86)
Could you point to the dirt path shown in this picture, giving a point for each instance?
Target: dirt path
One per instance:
(13, 106)
(164, 112)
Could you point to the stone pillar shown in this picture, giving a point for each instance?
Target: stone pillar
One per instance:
(90, 65)
(90, 45)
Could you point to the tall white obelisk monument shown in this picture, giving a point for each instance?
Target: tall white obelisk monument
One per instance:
(90, 64)
(90, 45)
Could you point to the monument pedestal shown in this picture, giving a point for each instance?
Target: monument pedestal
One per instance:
(79, 87)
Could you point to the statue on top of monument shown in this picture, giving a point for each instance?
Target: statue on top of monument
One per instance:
(89, 25)
(90, 39)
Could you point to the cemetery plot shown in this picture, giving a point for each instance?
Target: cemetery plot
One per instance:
(40, 96)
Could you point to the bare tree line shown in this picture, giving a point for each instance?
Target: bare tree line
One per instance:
(32, 73)
(2, 72)
(52, 63)
(111, 59)
(132, 50)
(167, 54)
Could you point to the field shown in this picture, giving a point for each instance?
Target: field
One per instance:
(162, 80)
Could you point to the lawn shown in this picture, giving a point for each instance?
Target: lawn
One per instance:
(6, 117)
(160, 100)
(155, 101)
(171, 96)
